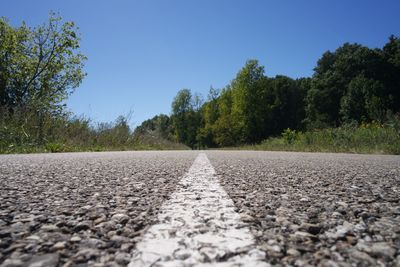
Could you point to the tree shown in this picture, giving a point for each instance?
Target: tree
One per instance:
(363, 101)
(303, 85)
(209, 114)
(13, 61)
(225, 130)
(287, 108)
(391, 54)
(121, 132)
(186, 120)
(197, 102)
(247, 101)
(181, 105)
(332, 77)
(40, 67)
(159, 123)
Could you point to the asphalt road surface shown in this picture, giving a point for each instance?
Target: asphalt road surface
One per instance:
(189, 208)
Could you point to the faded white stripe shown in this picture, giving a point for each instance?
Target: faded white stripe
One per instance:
(198, 226)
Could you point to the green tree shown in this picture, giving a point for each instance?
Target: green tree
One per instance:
(332, 77)
(186, 117)
(247, 103)
(209, 115)
(181, 106)
(363, 101)
(158, 126)
(287, 108)
(225, 130)
(13, 62)
(40, 67)
(391, 54)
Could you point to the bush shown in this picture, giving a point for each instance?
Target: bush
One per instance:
(371, 137)
(55, 147)
(289, 136)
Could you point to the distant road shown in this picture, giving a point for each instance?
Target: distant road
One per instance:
(232, 207)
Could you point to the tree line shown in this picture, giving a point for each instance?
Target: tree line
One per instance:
(353, 84)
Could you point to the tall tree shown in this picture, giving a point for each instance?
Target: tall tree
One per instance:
(209, 115)
(40, 66)
(332, 77)
(247, 101)
(364, 101)
(391, 54)
(225, 130)
(185, 118)
(13, 62)
(287, 110)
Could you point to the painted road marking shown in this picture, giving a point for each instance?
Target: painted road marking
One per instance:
(198, 226)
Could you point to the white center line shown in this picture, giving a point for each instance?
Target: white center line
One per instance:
(198, 226)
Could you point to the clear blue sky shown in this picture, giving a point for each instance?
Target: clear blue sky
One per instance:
(142, 52)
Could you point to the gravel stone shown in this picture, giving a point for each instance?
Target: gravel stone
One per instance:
(120, 218)
(122, 258)
(94, 243)
(46, 260)
(85, 255)
(340, 231)
(382, 249)
(313, 229)
(82, 226)
(75, 239)
(50, 228)
(12, 263)
(59, 245)
(293, 252)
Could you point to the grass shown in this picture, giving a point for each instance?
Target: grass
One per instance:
(371, 138)
(20, 133)
(59, 148)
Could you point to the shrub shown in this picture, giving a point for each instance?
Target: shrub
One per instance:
(289, 136)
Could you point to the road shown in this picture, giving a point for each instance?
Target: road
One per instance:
(106, 209)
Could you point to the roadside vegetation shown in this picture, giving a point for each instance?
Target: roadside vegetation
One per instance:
(350, 104)
(39, 68)
(371, 138)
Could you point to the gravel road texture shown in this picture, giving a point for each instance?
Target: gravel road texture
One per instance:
(314, 209)
(304, 209)
(82, 209)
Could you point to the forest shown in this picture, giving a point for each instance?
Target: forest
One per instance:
(354, 87)
(351, 86)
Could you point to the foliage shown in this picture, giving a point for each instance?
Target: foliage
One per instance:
(247, 102)
(354, 83)
(186, 117)
(366, 138)
(69, 133)
(39, 68)
(289, 136)
(159, 126)
(350, 86)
